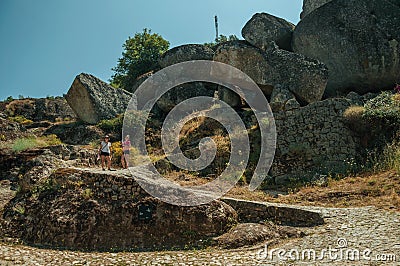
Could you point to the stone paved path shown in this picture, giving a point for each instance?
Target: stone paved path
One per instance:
(356, 229)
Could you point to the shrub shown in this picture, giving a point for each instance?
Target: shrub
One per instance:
(21, 120)
(134, 118)
(116, 153)
(24, 144)
(32, 142)
(9, 99)
(112, 125)
(384, 110)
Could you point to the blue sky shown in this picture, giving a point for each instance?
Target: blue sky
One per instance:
(46, 43)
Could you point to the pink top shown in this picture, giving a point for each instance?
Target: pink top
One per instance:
(126, 145)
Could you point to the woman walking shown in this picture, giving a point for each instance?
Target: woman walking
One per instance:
(105, 153)
(126, 146)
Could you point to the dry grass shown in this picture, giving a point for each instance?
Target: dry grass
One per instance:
(380, 190)
(354, 113)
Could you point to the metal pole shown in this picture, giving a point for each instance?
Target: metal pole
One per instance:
(216, 28)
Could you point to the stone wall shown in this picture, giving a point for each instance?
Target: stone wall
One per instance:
(255, 212)
(314, 139)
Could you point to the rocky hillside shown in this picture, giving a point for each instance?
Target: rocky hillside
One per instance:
(323, 79)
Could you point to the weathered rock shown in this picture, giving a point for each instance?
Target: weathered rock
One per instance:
(282, 99)
(303, 77)
(358, 41)
(310, 5)
(256, 212)
(29, 167)
(250, 60)
(355, 98)
(183, 92)
(88, 209)
(249, 234)
(184, 53)
(51, 109)
(93, 100)
(263, 28)
(229, 97)
(76, 133)
(10, 130)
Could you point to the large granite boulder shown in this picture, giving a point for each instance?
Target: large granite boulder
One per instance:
(283, 100)
(249, 59)
(95, 210)
(310, 5)
(186, 52)
(183, 92)
(94, 100)
(263, 28)
(304, 77)
(358, 41)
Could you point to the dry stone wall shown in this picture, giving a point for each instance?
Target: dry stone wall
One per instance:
(314, 139)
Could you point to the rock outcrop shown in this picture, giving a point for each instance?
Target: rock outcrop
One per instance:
(184, 53)
(263, 28)
(283, 100)
(94, 100)
(76, 133)
(183, 92)
(310, 5)
(305, 78)
(10, 130)
(359, 41)
(51, 109)
(85, 209)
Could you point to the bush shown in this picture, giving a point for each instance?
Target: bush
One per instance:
(112, 125)
(32, 142)
(384, 110)
(134, 118)
(21, 120)
(9, 99)
(24, 144)
(116, 153)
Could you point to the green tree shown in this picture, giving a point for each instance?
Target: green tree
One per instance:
(140, 55)
(221, 39)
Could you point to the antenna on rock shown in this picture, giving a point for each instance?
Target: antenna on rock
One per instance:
(216, 28)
